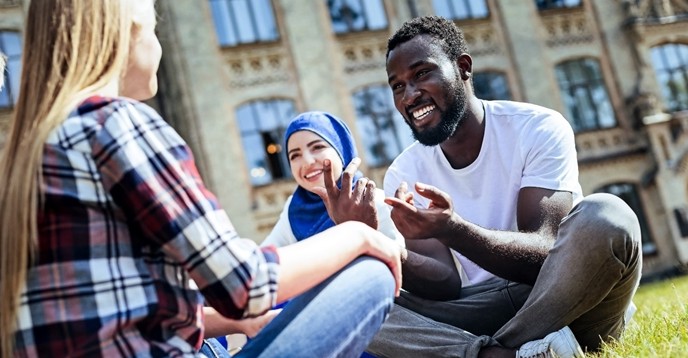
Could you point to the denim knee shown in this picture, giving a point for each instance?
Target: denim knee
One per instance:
(374, 276)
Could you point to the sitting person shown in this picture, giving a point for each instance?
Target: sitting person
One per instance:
(111, 243)
(320, 146)
(548, 272)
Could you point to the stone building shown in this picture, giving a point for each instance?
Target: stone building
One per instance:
(235, 71)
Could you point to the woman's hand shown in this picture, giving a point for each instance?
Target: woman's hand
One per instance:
(347, 204)
(388, 251)
(252, 326)
(216, 325)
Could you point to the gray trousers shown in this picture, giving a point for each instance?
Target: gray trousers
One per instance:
(587, 283)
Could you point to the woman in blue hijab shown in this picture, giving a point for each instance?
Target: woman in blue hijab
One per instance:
(311, 139)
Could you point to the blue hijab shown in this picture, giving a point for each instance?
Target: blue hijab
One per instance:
(307, 213)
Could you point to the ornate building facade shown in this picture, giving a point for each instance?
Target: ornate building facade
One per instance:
(235, 71)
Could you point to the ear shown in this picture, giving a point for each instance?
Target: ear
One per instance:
(465, 64)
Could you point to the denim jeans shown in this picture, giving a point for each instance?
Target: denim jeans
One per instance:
(337, 318)
(587, 283)
(212, 348)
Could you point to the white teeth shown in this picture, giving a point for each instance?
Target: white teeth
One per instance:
(312, 174)
(422, 112)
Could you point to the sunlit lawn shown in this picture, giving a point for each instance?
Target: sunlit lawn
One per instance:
(660, 326)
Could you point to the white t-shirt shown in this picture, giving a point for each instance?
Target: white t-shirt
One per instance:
(525, 145)
(282, 235)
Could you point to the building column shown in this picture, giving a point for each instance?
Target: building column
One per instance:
(525, 38)
(317, 58)
(196, 67)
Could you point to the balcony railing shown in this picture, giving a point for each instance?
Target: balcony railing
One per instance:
(655, 11)
(10, 3)
(603, 144)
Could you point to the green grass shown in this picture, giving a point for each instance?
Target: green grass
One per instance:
(659, 327)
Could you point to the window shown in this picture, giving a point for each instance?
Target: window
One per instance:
(11, 47)
(262, 125)
(670, 62)
(357, 15)
(384, 132)
(460, 9)
(587, 103)
(556, 4)
(243, 21)
(491, 86)
(629, 194)
(681, 216)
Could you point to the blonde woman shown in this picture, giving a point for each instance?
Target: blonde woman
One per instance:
(104, 220)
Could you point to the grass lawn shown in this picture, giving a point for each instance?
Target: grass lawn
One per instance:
(660, 326)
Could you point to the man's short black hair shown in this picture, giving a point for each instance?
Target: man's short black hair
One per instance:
(444, 31)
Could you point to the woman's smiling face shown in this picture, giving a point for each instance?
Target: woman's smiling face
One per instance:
(306, 152)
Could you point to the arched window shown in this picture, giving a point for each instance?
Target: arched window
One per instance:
(461, 9)
(383, 130)
(491, 86)
(628, 193)
(243, 21)
(587, 102)
(262, 124)
(357, 15)
(670, 62)
(11, 47)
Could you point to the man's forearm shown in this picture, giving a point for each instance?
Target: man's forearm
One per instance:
(516, 256)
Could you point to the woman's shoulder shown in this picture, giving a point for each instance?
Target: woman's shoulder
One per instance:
(379, 195)
(102, 108)
(382, 207)
(109, 122)
(386, 225)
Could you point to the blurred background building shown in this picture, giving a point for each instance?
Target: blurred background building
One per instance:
(235, 71)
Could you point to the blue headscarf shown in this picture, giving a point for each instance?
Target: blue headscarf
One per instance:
(307, 213)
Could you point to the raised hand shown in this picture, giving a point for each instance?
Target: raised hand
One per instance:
(422, 223)
(346, 204)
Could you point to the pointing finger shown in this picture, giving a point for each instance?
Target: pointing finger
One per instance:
(438, 197)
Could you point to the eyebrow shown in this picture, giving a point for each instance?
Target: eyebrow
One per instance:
(412, 66)
(307, 145)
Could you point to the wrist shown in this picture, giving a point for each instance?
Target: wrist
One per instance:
(361, 232)
(451, 228)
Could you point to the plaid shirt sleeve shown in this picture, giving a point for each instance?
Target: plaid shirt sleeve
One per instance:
(150, 172)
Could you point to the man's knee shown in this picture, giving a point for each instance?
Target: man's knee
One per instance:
(600, 217)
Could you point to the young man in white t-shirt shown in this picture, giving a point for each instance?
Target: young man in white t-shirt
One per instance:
(493, 191)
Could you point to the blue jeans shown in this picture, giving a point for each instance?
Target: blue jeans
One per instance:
(337, 318)
(212, 348)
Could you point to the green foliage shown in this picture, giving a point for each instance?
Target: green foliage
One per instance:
(659, 327)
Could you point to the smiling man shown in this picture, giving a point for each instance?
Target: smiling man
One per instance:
(495, 184)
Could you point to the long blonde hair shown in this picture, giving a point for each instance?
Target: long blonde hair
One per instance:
(72, 49)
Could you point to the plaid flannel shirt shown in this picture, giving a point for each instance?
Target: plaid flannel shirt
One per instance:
(124, 226)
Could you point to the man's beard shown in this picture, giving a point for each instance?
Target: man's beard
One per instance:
(450, 120)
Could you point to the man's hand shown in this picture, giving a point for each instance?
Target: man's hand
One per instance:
(418, 223)
(347, 204)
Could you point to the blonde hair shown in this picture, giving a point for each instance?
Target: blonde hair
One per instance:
(72, 49)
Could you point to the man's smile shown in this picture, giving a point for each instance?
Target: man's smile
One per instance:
(423, 112)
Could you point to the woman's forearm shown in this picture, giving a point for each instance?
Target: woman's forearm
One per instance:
(309, 262)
